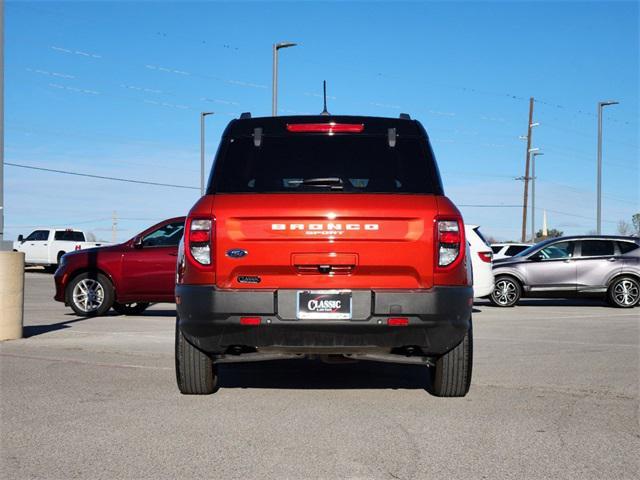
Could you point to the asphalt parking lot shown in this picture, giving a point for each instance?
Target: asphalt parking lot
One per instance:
(554, 395)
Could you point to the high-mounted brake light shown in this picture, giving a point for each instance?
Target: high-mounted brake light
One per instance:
(199, 239)
(449, 241)
(330, 127)
(485, 256)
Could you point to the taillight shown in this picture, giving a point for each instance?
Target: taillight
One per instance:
(329, 127)
(485, 256)
(199, 237)
(449, 241)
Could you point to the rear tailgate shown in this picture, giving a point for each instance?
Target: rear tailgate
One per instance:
(329, 240)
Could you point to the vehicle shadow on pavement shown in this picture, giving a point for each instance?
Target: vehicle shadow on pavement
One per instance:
(314, 374)
(33, 330)
(157, 313)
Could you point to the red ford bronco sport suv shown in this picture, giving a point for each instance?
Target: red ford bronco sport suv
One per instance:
(324, 235)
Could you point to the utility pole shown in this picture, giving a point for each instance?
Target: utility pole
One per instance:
(526, 173)
(601, 105)
(114, 227)
(2, 243)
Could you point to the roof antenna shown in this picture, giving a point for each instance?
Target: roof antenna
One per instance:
(324, 88)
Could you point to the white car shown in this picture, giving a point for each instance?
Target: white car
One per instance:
(506, 250)
(47, 246)
(481, 256)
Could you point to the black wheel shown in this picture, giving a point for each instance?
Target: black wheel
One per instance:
(506, 292)
(624, 292)
(90, 294)
(451, 377)
(134, 308)
(195, 371)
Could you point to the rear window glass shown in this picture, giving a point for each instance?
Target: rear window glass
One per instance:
(626, 247)
(496, 249)
(324, 163)
(516, 249)
(477, 230)
(69, 236)
(597, 248)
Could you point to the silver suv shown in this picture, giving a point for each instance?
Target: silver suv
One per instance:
(565, 267)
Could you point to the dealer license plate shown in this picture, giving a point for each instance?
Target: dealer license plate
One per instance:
(324, 304)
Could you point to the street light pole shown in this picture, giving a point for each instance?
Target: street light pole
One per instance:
(534, 153)
(601, 105)
(202, 116)
(274, 92)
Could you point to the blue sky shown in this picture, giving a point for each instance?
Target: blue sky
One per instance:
(116, 88)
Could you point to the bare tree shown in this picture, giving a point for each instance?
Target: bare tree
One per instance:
(624, 228)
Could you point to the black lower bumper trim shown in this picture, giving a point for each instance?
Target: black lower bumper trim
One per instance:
(438, 318)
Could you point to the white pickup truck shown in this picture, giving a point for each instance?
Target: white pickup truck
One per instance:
(46, 246)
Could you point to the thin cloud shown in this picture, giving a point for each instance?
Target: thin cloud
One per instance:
(50, 74)
(81, 53)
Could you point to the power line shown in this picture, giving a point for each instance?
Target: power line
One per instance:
(488, 206)
(101, 177)
(537, 208)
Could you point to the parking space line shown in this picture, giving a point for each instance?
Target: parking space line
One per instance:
(83, 362)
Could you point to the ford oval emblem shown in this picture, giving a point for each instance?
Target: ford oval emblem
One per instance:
(236, 253)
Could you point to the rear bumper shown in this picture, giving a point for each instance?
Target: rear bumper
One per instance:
(438, 319)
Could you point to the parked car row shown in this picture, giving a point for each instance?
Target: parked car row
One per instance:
(141, 271)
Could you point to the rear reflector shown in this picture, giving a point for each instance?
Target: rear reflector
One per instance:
(331, 127)
(250, 320)
(199, 236)
(485, 256)
(398, 322)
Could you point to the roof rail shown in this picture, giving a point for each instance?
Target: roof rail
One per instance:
(244, 115)
(405, 116)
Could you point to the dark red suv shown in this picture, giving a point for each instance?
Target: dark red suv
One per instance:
(128, 276)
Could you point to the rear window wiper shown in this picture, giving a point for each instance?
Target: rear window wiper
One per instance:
(331, 182)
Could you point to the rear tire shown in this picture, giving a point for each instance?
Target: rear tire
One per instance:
(133, 308)
(506, 293)
(90, 294)
(451, 377)
(624, 292)
(195, 371)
